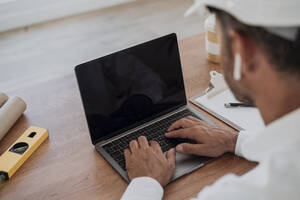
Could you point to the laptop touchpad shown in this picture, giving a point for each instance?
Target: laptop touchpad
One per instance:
(188, 163)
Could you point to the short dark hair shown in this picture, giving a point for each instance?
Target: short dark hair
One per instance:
(283, 54)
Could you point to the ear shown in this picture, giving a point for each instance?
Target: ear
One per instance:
(245, 47)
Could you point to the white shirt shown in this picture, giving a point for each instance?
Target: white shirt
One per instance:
(276, 148)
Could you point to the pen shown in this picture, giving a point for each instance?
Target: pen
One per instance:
(230, 105)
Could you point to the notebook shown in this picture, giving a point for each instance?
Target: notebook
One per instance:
(240, 118)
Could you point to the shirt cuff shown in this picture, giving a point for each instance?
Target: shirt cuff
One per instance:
(243, 135)
(143, 188)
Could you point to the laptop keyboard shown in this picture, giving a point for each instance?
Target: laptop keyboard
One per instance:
(154, 131)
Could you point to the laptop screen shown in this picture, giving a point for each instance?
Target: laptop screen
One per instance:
(127, 88)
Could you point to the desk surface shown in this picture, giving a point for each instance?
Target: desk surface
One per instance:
(66, 166)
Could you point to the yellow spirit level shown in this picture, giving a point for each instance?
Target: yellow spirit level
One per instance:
(12, 159)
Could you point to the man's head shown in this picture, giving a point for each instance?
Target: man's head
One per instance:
(265, 57)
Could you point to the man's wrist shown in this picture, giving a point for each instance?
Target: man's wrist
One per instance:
(232, 142)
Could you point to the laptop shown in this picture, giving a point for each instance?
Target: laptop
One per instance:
(134, 92)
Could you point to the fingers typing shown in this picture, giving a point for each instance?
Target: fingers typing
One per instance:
(195, 149)
(143, 142)
(171, 157)
(187, 133)
(134, 146)
(185, 122)
(155, 147)
(182, 123)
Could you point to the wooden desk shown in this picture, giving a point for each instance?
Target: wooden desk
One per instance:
(67, 166)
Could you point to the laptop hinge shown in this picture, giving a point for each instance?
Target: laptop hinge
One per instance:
(103, 142)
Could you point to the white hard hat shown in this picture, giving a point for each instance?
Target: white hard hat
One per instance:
(280, 17)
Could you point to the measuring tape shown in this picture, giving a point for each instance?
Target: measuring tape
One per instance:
(13, 158)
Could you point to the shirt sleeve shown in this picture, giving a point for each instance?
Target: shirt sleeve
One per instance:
(242, 138)
(277, 178)
(229, 186)
(143, 188)
(146, 188)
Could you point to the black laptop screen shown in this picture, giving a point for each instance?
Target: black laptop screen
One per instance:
(130, 87)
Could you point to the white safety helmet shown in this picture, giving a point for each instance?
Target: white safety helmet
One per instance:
(279, 17)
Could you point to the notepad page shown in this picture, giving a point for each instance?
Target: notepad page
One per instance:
(242, 118)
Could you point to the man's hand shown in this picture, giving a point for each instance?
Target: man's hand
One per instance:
(211, 140)
(147, 159)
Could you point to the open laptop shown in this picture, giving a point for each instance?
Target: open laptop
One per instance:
(133, 92)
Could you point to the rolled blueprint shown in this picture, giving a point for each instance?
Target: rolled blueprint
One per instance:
(3, 98)
(10, 113)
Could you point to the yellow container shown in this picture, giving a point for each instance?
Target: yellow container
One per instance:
(12, 159)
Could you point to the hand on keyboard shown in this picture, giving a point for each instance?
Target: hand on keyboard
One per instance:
(154, 131)
(147, 159)
(212, 140)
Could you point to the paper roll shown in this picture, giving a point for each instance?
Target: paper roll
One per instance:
(10, 113)
(211, 41)
(3, 98)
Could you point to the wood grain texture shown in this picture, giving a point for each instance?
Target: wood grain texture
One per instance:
(67, 166)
